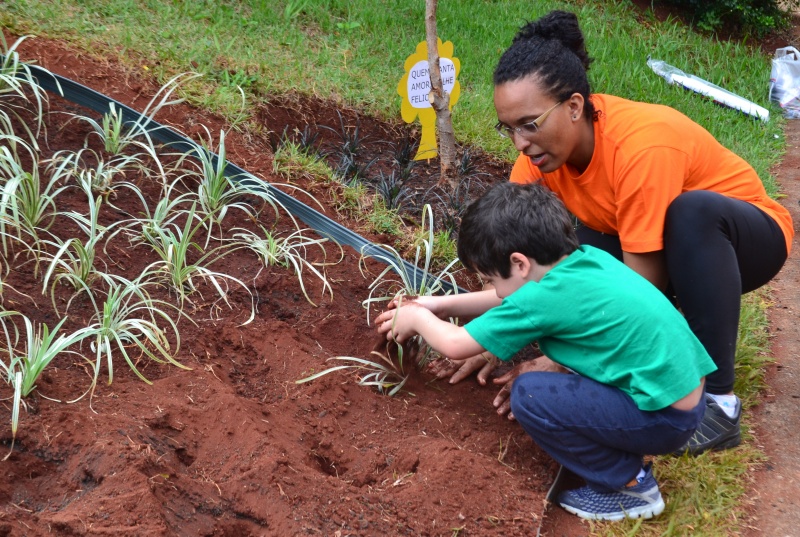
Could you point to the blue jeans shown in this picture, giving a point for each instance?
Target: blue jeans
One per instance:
(595, 430)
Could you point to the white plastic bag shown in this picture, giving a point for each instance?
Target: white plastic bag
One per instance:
(784, 81)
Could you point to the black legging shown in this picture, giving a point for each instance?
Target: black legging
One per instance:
(716, 248)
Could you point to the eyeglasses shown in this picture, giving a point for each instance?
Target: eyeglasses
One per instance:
(526, 129)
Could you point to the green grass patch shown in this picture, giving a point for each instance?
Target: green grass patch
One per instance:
(353, 51)
(292, 162)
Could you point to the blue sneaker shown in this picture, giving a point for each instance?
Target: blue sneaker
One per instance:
(716, 431)
(641, 500)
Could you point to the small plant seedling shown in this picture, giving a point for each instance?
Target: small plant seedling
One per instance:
(385, 287)
(294, 8)
(16, 79)
(216, 192)
(289, 251)
(392, 191)
(177, 266)
(453, 203)
(27, 363)
(351, 137)
(130, 318)
(74, 260)
(387, 373)
(382, 372)
(27, 204)
(306, 141)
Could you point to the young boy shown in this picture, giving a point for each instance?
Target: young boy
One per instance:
(637, 386)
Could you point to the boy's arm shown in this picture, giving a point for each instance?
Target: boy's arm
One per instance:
(413, 319)
(466, 305)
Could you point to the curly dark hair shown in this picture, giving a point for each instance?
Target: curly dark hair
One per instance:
(552, 50)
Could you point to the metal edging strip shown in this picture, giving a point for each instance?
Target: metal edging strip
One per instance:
(89, 98)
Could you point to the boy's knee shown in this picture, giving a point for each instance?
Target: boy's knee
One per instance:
(526, 396)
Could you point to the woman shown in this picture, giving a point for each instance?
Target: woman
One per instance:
(649, 186)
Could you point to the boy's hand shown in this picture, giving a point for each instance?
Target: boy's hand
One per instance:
(458, 370)
(430, 303)
(502, 402)
(398, 323)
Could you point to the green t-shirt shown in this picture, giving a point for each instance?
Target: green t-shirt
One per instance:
(594, 315)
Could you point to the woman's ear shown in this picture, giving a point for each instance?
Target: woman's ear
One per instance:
(575, 106)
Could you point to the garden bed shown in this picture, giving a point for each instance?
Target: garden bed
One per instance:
(233, 446)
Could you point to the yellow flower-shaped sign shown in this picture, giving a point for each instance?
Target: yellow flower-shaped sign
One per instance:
(415, 86)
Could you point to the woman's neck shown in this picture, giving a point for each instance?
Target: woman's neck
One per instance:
(582, 155)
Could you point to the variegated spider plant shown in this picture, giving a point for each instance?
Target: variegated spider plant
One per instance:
(290, 251)
(130, 318)
(27, 361)
(183, 261)
(398, 278)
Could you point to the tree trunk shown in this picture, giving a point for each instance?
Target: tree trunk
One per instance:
(440, 101)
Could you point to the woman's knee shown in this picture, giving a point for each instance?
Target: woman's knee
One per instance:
(694, 208)
(695, 221)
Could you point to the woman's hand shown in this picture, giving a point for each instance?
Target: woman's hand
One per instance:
(458, 370)
(502, 402)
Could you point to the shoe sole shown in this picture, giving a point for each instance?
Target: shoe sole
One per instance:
(645, 511)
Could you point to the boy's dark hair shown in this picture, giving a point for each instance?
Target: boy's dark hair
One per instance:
(509, 218)
(552, 50)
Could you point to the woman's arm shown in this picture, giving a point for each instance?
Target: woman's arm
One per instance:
(650, 265)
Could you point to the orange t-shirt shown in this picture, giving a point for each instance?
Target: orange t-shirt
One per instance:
(645, 155)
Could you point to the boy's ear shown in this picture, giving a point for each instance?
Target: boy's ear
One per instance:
(521, 263)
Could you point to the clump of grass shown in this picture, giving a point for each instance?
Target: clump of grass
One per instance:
(752, 357)
(307, 140)
(292, 161)
(380, 218)
(445, 249)
(452, 204)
